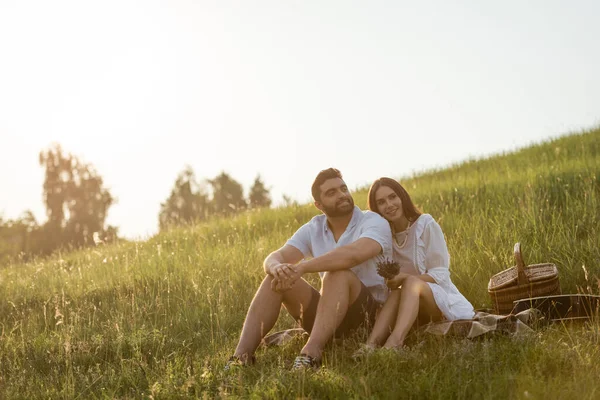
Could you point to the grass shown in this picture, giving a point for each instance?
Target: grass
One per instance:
(158, 319)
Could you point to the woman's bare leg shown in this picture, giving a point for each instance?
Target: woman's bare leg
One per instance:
(416, 298)
(386, 319)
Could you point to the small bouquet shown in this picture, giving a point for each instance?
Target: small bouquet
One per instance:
(388, 268)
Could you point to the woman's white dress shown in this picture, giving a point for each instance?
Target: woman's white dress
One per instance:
(422, 249)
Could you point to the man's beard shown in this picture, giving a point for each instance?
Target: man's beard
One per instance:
(341, 209)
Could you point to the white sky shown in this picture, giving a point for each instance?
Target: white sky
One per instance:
(139, 89)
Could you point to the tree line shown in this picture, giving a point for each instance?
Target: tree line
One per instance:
(192, 201)
(77, 204)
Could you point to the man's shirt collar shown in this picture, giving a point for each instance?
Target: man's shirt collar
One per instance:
(356, 213)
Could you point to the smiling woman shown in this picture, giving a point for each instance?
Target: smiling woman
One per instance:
(388, 198)
(421, 290)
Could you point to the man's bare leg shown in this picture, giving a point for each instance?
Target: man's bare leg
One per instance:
(264, 311)
(339, 290)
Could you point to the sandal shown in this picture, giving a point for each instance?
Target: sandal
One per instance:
(239, 361)
(402, 350)
(304, 361)
(364, 351)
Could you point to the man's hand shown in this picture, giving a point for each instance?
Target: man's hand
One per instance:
(396, 281)
(282, 271)
(279, 286)
(286, 255)
(285, 275)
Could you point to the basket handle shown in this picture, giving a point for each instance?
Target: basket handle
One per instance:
(521, 277)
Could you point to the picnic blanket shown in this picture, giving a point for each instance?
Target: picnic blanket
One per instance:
(485, 323)
(482, 324)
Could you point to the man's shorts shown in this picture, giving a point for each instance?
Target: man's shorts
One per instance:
(361, 313)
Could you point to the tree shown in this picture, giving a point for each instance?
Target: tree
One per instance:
(259, 194)
(187, 203)
(76, 200)
(17, 237)
(228, 195)
(288, 201)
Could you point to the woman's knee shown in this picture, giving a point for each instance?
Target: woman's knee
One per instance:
(413, 285)
(393, 299)
(394, 295)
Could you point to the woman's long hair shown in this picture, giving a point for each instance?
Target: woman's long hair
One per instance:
(411, 212)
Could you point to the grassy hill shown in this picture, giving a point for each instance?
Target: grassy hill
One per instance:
(158, 319)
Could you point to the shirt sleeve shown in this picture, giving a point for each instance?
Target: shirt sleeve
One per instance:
(301, 240)
(437, 259)
(378, 229)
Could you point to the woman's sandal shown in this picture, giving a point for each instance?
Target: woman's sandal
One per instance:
(235, 361)
(401, 350)
(364, 351)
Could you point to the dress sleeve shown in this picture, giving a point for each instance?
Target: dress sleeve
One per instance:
(437, 259)
(301, 240)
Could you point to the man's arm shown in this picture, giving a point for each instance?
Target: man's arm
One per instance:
(287, 254)
(343, 257)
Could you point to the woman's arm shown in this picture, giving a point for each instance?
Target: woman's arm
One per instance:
(426, 278)
(437, 259)
(398, 280)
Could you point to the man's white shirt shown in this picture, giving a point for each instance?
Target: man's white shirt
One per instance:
(315, 238)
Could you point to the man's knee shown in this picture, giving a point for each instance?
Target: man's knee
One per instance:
(336, 276)
(267, 283)
(333, 281)
(267, 280)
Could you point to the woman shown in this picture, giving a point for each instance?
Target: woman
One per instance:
(426, 290)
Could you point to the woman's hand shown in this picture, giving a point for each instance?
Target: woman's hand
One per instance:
(396, 281)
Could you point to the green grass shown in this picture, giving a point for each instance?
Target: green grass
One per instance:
(158, 319)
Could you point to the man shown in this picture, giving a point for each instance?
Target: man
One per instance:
(342, 245)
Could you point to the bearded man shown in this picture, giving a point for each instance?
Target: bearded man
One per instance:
(342, 245)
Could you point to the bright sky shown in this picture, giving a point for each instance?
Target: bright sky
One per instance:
(282, 89)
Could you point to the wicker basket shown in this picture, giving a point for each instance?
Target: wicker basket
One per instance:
(521, 282)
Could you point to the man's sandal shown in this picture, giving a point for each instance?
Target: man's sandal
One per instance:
(304, 361)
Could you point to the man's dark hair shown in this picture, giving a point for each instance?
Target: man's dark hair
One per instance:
(329, 173)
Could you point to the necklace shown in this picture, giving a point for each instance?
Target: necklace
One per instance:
(405, 236)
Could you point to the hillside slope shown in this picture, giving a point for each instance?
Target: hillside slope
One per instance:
(160, 317)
